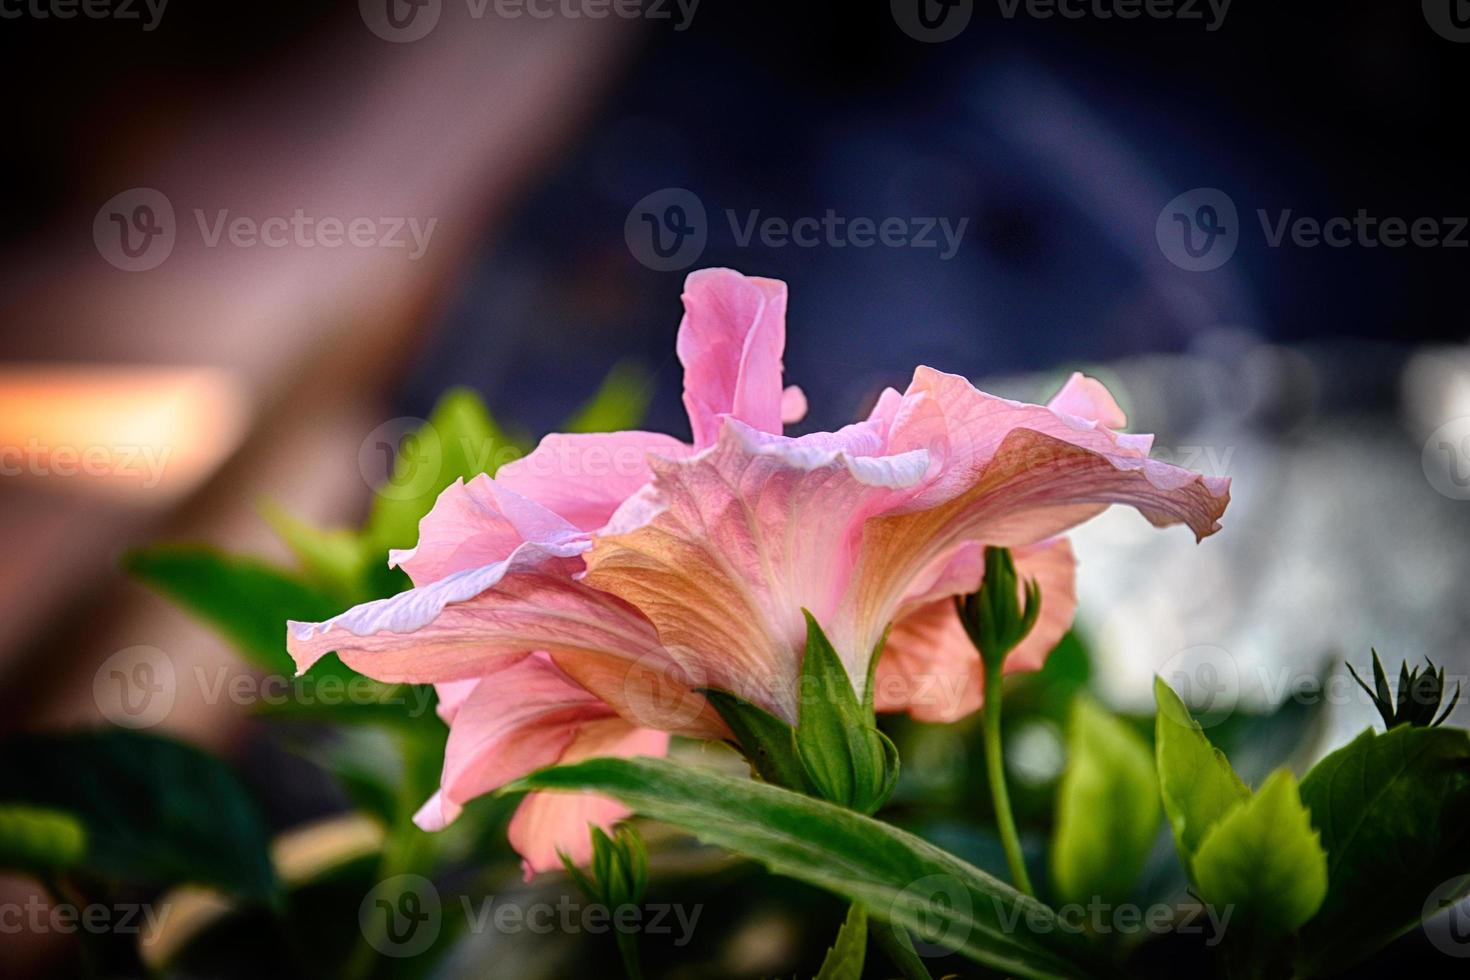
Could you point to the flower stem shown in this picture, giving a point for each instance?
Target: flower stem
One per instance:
(897, 945)
(628, 949)
(995, 770)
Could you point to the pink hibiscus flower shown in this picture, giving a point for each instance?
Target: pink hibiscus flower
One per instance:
(573, 605)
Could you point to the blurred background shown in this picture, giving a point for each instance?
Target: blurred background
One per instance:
(245, 244)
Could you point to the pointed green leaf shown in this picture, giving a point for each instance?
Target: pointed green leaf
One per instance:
(1196, 781)
(1394, 812)
(841, 750)
(247, 600)
(619, 404)
(767, 741)
(844, 960)
(333, 561)
(40, 840)
(900, 879)
(1264, 859)
(1107, 808)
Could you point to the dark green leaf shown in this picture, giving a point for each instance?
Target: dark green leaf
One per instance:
(248, 601)
(900, 878)
(767, 741)
(1394, 812)
(155, 810)
(1107, 808)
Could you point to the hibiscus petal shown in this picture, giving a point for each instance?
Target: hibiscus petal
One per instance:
(793, 405)
(726, 548)
(585, 477)
(477, 523)
(515, 720)
(730, 343)
(546, 823)
(1088, 398)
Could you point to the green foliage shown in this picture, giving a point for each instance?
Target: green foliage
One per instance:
(844, 960)
(846, 759)
(1264, 859)
(155, 810)
(1394, 813)
(1107, 808)
(1196, 781)
(898, 877)
(40, 840)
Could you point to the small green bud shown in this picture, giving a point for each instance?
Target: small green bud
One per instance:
(1418, 697)
(994, 616)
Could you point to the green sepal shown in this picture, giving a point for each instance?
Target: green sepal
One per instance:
(767, 742)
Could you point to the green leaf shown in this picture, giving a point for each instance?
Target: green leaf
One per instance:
(846, 759)
(155, 810)
(1107, 808)
(1394, 812)
(844, 960)
(334, 561)
(39, 840)
(1195, 779)
(458, 441)
(1264, 859)
(248, 601)
(619, 404)
(767, 741)
(898, 877)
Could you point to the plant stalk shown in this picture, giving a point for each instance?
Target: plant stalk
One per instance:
(995, 771)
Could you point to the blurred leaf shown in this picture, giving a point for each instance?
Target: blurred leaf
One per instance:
(619, 404)
(459, 441)
(1107, 808)
(333, 560)
(155, 810)
(844, 961)
(899, 878)
(248, 601)
(1195, 779)
(1263, 859)
(1394, 812)
(41, 841)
